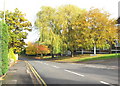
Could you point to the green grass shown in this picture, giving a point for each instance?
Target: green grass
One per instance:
(106, 56)
(85, 57)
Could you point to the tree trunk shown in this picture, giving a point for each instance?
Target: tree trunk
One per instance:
(52, 55)
(110, 48)
(94, 49)
(82, 51)
(41, 55)
(72, 54)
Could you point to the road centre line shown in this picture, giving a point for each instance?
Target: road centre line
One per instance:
(45, 63)
(13, 81)
(56, 67)
(104, 82)
(74, 73)
(51, 65)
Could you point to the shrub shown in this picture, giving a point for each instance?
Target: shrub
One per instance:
(11, 54)
(4, 63)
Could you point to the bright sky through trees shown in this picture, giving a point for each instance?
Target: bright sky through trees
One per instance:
(31, 7)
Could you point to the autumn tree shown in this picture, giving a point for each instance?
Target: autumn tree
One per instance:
(42, 49)
(118, 29)
(68, 15)
(70, 28)
(35, 49)
(95, 29)
(82, 38)
(102, 29)
(30, 49)
(18, 26)
(112, 35)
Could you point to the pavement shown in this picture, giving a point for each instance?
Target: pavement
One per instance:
(17, 74)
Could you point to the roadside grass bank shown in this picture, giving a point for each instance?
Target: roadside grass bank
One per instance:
(85, 57)
(77, 58)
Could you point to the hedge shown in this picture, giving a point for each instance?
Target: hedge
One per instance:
(4, 62)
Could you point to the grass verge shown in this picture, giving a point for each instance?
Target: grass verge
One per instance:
(106, 56)
(87, 57)
(78, 58)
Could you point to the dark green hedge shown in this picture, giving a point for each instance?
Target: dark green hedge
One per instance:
(4, 62)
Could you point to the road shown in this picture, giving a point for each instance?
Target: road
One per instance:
(72, 73)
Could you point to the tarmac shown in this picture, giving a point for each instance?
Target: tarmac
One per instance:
(18, 74)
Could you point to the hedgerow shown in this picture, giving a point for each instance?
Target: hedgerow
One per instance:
(4, 61)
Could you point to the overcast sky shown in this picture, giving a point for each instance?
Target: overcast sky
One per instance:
(31, 7)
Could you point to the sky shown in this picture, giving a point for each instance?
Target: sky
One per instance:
(31, 7)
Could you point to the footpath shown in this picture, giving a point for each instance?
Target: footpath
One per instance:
(18, 74)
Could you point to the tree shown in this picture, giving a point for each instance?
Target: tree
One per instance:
(112, 33)
(118, 31)
(35, 49)
(18, 26)
(102, 29)
(46, 22)
(71, 28)
(42, 49)
(31, 50)
(94, 29)
(81, 25)
(68, 15)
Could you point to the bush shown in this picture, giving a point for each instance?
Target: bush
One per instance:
(11, 54)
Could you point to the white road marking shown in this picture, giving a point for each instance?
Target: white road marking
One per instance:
(56, 67)
(51, 65)
(45, 63)
(104, 82)
(75, 73)
(13, 81)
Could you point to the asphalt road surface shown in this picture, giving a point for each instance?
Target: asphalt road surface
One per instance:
(72, 73)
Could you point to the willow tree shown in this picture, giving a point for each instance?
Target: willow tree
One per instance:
(56, 27)
(49, 34)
